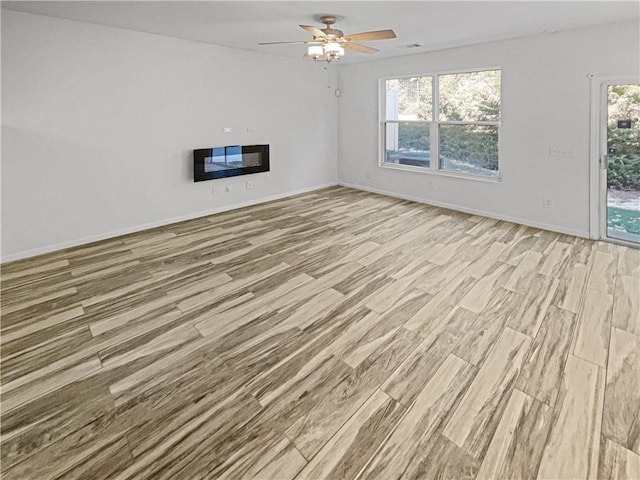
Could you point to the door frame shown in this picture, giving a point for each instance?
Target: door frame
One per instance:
(597, 150)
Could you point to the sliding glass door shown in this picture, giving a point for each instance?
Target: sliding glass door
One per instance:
(622, 163)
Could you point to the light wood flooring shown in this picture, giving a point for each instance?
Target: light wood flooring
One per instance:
(336, 334)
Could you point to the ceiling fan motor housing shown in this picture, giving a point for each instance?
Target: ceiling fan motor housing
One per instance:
(331, 32)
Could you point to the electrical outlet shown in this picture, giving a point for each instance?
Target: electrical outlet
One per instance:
(547, 203)
(228, 188)
(249, 185)
(558, 152)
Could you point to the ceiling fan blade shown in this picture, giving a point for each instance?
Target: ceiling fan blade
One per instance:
(356, 47)
(301, 42)
(316, 32)
(368, 36)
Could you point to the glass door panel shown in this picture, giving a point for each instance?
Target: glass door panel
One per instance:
(623, 163)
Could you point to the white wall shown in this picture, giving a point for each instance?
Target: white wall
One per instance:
(99, 124)
(545, 103)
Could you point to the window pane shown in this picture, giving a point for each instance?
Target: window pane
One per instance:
(469, 149)
(409, 99)
(472, 96)
(407, 144)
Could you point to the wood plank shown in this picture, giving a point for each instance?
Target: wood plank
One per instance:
(603, 272)
(441, 304)
(418, 368)
(401, 453)
(571, 287)
(621, 419)
(573, 444)
(617, 462)
(480, 295)
(481, 336)
(591, 341)
(626, 305)
(313, 429)
(534, 306)
(541, 375)
(350, 448)
(557, 260)
(521, 277)
(479, 412)
(23, 389)
(629, 262)
(517, 445)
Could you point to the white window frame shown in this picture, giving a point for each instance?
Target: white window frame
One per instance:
(434, 123)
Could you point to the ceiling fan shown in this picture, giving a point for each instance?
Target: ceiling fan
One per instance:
(329, 43)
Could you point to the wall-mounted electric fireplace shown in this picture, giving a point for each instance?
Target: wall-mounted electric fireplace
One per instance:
(230, 161)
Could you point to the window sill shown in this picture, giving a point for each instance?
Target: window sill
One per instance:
(443, 173)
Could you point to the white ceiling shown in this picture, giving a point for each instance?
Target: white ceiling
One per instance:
(432, 24)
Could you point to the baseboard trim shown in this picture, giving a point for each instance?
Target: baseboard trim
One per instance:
(160, 223)
(472, 211)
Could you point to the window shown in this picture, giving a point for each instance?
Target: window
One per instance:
(408, 112)
(453, 117)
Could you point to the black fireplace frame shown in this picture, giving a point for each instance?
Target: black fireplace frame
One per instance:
(199, 156)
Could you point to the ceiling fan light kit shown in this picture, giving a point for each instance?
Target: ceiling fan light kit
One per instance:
(331, 52)
(329, 43)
